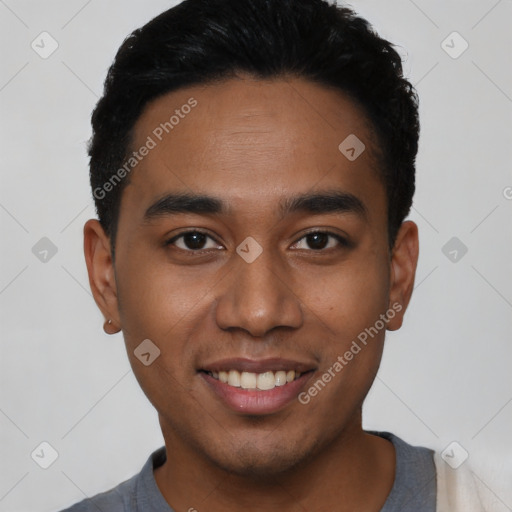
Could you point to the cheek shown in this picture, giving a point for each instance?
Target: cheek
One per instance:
(350, 298)
(349, 306)
(161, 307)
(156, 304)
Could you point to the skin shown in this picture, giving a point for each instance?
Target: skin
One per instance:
(253, 143)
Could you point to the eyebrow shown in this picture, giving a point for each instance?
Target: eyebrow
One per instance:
(325, 202)
(184, 203)
(314, 203)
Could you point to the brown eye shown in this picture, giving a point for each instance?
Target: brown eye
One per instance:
(319, 240)
(193, 241)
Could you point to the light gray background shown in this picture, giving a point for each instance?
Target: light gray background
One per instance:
(445, 375)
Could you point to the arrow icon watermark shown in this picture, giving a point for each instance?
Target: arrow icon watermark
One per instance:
(352, 147)
(146, 352)
(249, 249)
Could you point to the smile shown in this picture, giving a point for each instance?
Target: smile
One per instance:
(256, 387)
(261, 381)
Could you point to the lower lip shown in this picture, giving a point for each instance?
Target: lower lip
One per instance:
(253, 401)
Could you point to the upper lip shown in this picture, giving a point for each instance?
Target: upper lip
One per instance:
(257, 365)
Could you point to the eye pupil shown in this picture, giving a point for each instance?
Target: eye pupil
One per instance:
(317, 240)
(194, 240)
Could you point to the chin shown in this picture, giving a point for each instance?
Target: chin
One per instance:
(261, 461)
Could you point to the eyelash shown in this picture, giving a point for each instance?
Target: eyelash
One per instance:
(191, 232)
(342, 242)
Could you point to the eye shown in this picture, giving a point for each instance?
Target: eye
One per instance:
(320, 240)
(194, 241)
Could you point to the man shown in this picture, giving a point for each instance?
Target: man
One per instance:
(252, 163)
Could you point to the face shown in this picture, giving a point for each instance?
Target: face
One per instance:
(251, 249)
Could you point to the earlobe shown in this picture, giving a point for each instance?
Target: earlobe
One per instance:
(402, 271)
(110, 328)
(100, 268)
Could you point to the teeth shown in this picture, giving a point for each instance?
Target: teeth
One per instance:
(266, 381)
(280, 378)
(248, 380)
(262, 381)
(234, 378)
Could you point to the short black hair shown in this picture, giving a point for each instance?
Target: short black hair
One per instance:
(203, 41)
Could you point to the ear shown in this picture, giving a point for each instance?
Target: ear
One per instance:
(404, 259)
(100, 268)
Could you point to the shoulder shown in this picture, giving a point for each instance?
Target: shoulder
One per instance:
(457, 489)
(115, 500)
(428, 482)
(129, 496)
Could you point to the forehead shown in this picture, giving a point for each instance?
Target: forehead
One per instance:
(252, 142)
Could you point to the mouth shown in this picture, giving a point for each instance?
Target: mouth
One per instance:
(256, 387)
(250, 380)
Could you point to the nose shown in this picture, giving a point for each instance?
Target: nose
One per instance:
(258, 298)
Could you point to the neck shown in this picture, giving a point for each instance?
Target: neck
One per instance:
(355, 472)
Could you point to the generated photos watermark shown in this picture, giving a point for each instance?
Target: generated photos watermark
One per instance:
(152, 141)
(342, 360)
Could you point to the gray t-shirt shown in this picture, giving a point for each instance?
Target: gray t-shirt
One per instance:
(414, 487)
